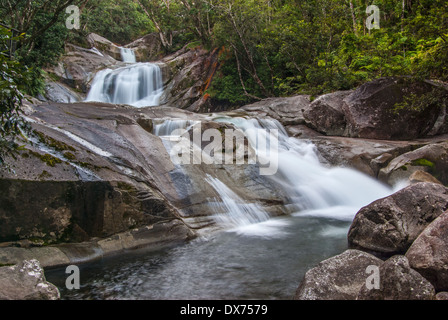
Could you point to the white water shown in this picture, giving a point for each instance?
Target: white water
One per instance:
(314, 189)
(138, 85)
(234, 211)
(128, 55)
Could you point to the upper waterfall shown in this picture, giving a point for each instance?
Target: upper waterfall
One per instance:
(138, 85)
(128, 55)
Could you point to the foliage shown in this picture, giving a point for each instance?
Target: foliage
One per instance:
(275, 47)
(120, 21)
(13, 79)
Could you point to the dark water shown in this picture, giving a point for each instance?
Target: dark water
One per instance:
(263, 261)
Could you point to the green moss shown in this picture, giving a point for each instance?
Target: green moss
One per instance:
(47, 158)
(53, 143)
(404, 168)
(69, 155)
(6, 264)
(423, 163)
(44, 174)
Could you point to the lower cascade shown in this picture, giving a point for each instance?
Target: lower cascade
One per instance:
(138, 85)
(313, 189)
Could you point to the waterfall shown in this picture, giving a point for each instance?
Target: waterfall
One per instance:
(128, 55)
(168, 126)
(234, 211)
(138, 85)
(313, 188)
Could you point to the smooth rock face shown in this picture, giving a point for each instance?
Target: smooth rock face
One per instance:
(337, 278)
(429, 253)
(397, 281)
(26, 282)
(388, 226)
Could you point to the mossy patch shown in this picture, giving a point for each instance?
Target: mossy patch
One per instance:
(53, 143)
(423, 163)
(47, 158)
(68, 155)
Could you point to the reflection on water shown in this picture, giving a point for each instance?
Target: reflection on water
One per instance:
(260, 261)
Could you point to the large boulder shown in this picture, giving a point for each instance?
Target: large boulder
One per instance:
(26, 282)
(398, 281)
(371, 110)
(375, 110)
(326, 114)
(388, 226)
(337, 278)
(429, 253)
(288, 111)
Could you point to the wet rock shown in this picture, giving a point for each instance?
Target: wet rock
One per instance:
(388, 226)
(398, 281)
(26, 282)
(429, 253)
(337, 278)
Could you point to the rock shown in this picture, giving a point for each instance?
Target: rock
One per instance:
(326, 114)
(365, 155)
(104, 45)
(422, 176)
(288, 111)
(429, 253)
(337, 278)
(370, 110)
(26, 282)
(442, 295)
(431, 158)
(188, 75)
(78, 67)
(58, 92)
(397, 281)
(147, 48)
(388, 226)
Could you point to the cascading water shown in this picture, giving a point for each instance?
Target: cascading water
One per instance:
(138, 85)
(128, 55)
(313, 188)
